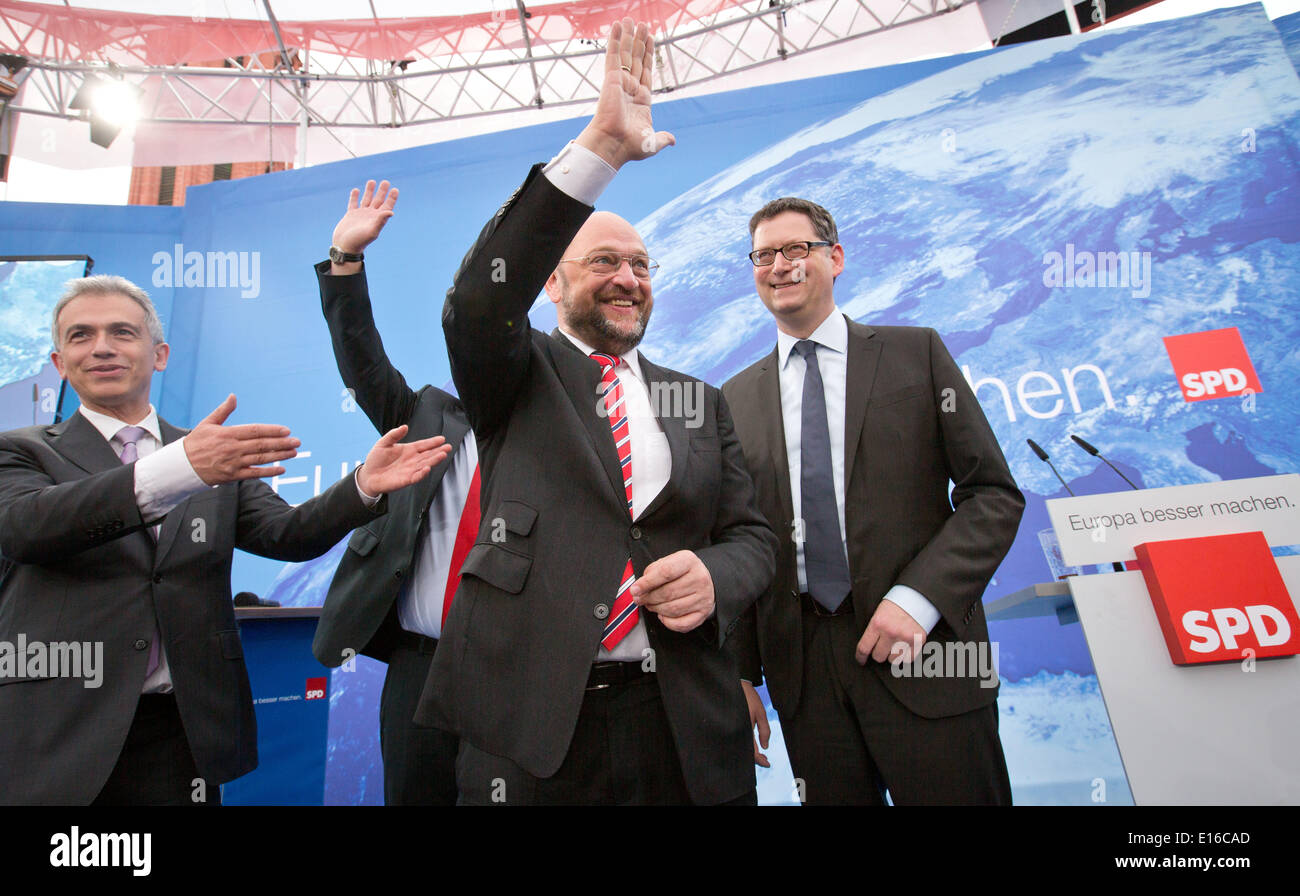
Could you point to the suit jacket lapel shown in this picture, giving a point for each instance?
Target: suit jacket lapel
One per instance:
(581, 378)
(674, 427)
(77, 440)
(864, 354)
(773, 447)
(453, 428)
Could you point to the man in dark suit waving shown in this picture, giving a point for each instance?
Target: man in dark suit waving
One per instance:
(853, 434)
(583, 661)
(118, 530)
(393, 587)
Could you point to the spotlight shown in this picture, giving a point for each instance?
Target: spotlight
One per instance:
(111, 104)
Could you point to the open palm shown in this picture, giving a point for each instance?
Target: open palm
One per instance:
(366, 216)
(622, 129)
(392, 464)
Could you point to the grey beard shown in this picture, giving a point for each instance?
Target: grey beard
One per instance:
(602, 334)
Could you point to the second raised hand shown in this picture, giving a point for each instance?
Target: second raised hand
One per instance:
(360, 225)
(621, 130)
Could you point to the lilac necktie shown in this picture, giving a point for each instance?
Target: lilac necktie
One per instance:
(125, 445)
(125, 442)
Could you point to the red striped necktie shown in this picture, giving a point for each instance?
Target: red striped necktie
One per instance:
(624, 615)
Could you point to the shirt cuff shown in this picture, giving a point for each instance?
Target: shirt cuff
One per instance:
(915, 605)
(163, 480)
(368, 500)
(579, 173)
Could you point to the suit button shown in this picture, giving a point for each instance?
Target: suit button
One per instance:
(398, 574)
(636, 533)
(601, 611)
(140, 644)
(157, 579)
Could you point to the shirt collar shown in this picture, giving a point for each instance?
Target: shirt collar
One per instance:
(111, 426)
(632, 359)
(832, 333)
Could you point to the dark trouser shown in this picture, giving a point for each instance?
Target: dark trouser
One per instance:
(419, 763)
(622, 753)
(156, 767)
(851, 739)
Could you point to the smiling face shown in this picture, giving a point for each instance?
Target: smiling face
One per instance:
(107, 355)
(798, 293)
(609, 312)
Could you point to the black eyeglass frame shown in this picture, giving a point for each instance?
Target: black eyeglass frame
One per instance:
(807, 246)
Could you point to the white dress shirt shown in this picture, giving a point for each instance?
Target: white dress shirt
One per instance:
(420, 602)
(832, 339)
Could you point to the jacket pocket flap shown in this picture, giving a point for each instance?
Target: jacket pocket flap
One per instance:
(897, 395)
(498, 567)
(518, 517)
(363, 541)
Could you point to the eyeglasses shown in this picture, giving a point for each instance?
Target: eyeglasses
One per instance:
(794, 251)
(643, 266)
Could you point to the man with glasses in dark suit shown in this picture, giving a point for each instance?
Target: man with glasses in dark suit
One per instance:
(853, 435)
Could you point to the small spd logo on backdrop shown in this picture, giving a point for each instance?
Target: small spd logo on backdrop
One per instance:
(1212, 364)
(317, 688)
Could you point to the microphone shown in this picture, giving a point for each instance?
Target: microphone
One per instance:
(1042, 455)
(1095, 453)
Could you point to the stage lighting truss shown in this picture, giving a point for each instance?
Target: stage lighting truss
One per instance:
(506, 62)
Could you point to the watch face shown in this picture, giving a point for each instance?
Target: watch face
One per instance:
(338, 256)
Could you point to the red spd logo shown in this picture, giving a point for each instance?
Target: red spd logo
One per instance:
(1219, 598)
(317, 688)
(1213, 364)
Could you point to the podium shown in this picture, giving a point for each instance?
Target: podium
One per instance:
(291, 700)
(1213, 733)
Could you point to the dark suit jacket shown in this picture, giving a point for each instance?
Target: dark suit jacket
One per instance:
(911, 425)
(359, 613)
(85, 568)
(520, 639)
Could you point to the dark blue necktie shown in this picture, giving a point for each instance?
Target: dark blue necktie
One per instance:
(824, 560)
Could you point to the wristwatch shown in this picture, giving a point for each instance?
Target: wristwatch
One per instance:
(338, 256)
